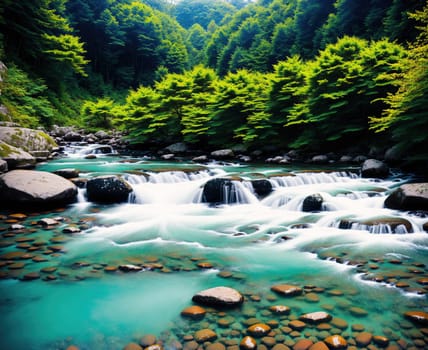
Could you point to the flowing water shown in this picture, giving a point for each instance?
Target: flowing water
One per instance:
(355, 259)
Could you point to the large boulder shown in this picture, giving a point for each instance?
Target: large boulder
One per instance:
(3, 166)
(35, 142)
(312, 203)
(262, 187)
(107, 189)
(16, 158)
(178, 147)
(374, 168)
(219, 296)
(409, 197)
(219, 191)
(29, 187)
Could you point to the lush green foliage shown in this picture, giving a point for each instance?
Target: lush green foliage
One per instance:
(313, 74)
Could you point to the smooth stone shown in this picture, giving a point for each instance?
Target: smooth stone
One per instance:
(219, 296)
(68, 173)
(287, 290)
(108, 189)
(280, 309)
(381, 341)
(130, 268)
(312, 297)
(316, 317)
(358, 327)
(110, 268)
(420, 317)
(297, 325)
(248, 343)
(259, 329)
(423, 281)
(17, 216)
(215, 346)
(71, 229)
(31, 276)
(364, 339)
(336, 342)
(358, 311)
(303, 344)
(148, 340)
(204, 335)
(320, 345)
(339, 323)
(47, 222)
(409, 197)
(132, 346)
(374, 168)
(29, 187)
(268, 341)
(280, 347)
(12, 255)
(195, 312)
(16, 266)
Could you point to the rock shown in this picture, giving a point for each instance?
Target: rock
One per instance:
(262, 187)
(319, 346)
(297, 325)
(72, 136)
(204, 335)
(320, 159)
(31, 276)
(339, 323)
(16, 158)
(393, 154)
(219, 296)
(420, 317)
(358, 311)
(148, 340)
(72, 347)
(248, 343)
(312, 203)
(316, 317)
(101, 135)
(280, 309)
(303, 344)
(409, 197)
(381, 341)
(287, 290)
(378, 225)
(178, 147)
(200, 159)
(219, 191)
(47, 222)
(67, 173)
(132, 346)
(71, 229)
(363, 339)
(258, 330)
(28, 187)
(223, 154)
(3, 166)
(280, 347)
(29, 140)
(169, 156)
(345, 159)
(130, 268)
(194, 312)
(107, 189)
(336, 342)
(216, 346)
(374, 168)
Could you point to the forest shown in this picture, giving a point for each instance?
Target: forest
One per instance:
(295, 74)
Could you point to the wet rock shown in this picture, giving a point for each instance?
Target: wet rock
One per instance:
(409, 197)
(31, 276)
(280, 309)
(108, 189)
(200, 159)
(268, 341)
(258, 330)
(28, 187)
(423, 281)
(319, 346)
(280, 347)
(216, 346)
(420, 317)
(339, 323)
(374, 168)
(178, 147)
(47, 222)
(67, 173)
(364, 339)
(219, 191)
(381, 341)
(312, 297)
(336, 342)
(132, 346)
(297, 325)
(148, 340)
(194, 312)
(316, 317)
(358, 311)
(73, 136)
(287, 290)
(71, 229)
(248, 343)
(262, 187)
(312, 203)
(320, 159)
(204, 335)
(130, 268)
(303, 344)
(219, 296)
(378, 225)
(223, 154)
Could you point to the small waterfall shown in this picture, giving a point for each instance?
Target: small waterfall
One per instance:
(81, 150)
(311, 179)
(81, 195)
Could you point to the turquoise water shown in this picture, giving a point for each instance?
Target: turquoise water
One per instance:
(250, 246)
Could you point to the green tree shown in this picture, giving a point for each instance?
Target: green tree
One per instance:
(99, 114)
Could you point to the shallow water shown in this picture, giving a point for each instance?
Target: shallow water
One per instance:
(250, 246)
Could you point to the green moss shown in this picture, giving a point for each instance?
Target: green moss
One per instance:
(48, 139)
(5, 150)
